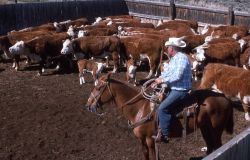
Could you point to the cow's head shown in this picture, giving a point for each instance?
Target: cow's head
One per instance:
(82, 33)
(18, 48)
(206, 29)
(243, 44)
(71, 31)
(60, 27)
(97, 20)
(160, 22)
(67, 47)
(199, 53)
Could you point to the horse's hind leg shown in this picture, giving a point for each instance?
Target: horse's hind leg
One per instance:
(217, 138)
(207, 135)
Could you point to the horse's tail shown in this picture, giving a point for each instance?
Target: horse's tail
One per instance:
(230, 122)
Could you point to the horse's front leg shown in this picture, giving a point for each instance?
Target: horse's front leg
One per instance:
(154, 150)
(145, 149)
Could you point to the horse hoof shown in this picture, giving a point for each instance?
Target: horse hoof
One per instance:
(204, 149)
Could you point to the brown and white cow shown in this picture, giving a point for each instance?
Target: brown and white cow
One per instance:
(41, 48)
(63, 26)
(95, 68)
(168, 24)
(232, 81)
(235, 32)
(10, 39)
(137, 48)
(228, 53)
(43, 27)
(98, 32)
(93, 46)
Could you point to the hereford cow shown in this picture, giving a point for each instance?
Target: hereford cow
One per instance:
(40, 49)
(98, 47)
(232, 81)
(235, 32)
(63, 26)
(10, 39)
(136, 48)
(95, 68)
(43, 27)
(163, 25)
(98, 32)
(228, 53)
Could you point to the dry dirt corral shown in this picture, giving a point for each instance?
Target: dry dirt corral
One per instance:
(43, 118)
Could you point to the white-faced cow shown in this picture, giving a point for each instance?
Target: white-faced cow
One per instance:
(93, 46)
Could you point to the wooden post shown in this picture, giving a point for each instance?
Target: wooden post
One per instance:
(230, 16)
(172, 10)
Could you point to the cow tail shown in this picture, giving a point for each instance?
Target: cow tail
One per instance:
(230, 122)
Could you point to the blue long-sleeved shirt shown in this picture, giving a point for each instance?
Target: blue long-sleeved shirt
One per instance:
(177, 74)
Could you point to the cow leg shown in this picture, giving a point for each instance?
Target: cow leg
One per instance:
(246, 110)
(82, 81)
(28, 61)
(152, 65)
(41, 69)
(16, 62)
(107, 61)
(116, 61)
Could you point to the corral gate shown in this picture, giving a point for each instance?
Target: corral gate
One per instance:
(22, 15)
(159, 10)
(236, 149)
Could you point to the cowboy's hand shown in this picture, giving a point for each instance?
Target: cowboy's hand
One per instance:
(156, 82)
(159, 80)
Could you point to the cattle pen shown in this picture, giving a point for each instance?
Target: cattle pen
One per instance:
(22, 15)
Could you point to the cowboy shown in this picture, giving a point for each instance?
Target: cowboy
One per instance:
(177, 76)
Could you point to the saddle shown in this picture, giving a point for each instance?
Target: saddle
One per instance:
(188, 107)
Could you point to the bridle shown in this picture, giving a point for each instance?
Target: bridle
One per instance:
(94, 105)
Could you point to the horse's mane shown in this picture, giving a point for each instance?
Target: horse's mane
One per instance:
(137, 89)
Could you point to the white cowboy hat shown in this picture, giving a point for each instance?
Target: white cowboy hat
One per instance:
(177, 42)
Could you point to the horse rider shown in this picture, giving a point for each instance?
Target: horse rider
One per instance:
(177, 76)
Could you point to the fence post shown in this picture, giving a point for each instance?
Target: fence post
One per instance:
(230, 16)
(172, 10)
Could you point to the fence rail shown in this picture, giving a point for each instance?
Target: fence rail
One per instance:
(21, 15)
(237, 148)
(157, 10)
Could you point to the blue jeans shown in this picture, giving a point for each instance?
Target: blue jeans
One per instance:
(167, 108)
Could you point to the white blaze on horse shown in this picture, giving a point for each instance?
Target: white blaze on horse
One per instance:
(142, 116)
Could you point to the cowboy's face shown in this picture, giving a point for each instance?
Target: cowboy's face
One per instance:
(171, 51)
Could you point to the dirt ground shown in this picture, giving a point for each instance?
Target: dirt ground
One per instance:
(44, 118)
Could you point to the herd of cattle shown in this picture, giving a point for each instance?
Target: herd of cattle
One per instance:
(221, 53)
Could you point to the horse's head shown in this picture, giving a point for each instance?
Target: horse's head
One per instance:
(100, 94)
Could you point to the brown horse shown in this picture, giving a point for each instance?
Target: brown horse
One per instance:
(214, 113)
